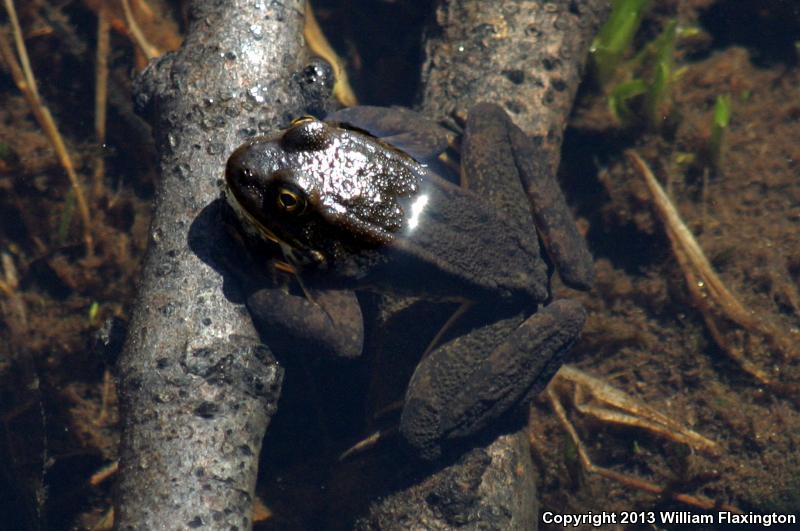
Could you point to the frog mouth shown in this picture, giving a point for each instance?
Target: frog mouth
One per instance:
(291, 251)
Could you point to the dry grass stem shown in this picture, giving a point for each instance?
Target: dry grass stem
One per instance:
(22, 50)
(106, 395)
(26, 83)
(684, 242)
(464, 306)
(101, 95)
(595, 397)
(150, 51)
(13, 308)
(10, 280)
(700, 502)
(364, 444)
(710, 294)
(106, 522)
(104, 473)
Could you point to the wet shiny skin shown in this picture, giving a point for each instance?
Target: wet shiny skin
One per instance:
(344, 180)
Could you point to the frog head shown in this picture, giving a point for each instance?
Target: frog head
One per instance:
(322, 191)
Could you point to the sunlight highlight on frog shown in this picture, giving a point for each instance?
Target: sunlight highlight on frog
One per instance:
(416, 210)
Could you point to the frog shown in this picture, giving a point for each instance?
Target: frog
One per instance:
(358, 202)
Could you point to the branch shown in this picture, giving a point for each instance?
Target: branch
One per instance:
(197, 386)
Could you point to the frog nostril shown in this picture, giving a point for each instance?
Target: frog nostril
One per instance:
(251, 178)
(236, 174)
(244, 176)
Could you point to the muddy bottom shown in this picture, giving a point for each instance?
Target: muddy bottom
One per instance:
(651, 337)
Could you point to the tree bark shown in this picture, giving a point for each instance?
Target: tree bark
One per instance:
(197, 386)
(526, 55)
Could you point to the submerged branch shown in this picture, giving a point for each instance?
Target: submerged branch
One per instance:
(197, 387)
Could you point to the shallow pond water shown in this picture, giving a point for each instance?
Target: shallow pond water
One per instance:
(649, 335)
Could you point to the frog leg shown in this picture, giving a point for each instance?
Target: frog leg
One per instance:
(331, 323)
(470, 382)
(493, 141)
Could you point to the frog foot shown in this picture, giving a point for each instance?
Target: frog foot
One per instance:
(462, 387)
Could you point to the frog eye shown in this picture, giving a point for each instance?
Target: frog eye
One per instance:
(291, 201)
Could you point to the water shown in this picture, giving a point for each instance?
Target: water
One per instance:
(648, 336)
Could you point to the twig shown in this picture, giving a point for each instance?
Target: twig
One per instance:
(26, 83)
(101, 94)
(708, 291)
(150, 51)
(617, 407)
(700, 502)
(104, 473)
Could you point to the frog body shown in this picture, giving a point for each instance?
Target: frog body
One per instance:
(374, 216)
(351, 210)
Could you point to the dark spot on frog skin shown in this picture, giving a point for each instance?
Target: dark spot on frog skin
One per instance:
(309, 136)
